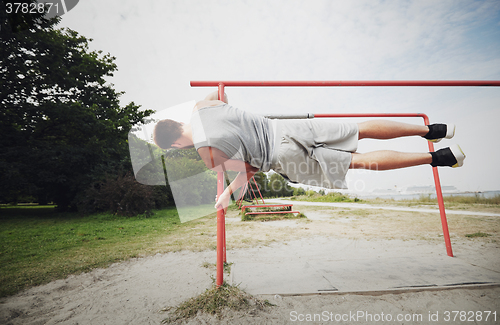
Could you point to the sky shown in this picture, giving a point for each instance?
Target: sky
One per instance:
(160, 46)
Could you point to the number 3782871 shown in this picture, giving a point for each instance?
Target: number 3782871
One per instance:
(32, 8)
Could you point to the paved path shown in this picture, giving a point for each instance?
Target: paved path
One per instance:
(380, 207)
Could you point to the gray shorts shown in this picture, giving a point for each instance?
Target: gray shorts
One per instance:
(315, 152)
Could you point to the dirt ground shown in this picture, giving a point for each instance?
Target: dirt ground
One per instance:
(135, 291)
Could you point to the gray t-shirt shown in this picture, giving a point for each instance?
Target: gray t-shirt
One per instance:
(239, 134)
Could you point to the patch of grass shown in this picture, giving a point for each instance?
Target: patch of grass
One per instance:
(477, 234)
(476, 199)
(458, 199)
(330, 197)
(214, 301)
(213, 266)
(38, 245)
(477, 202)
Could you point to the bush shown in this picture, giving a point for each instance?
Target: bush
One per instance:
(162, 197)
(298, 191)
(310, 193)
(312, 196)
(121, 195)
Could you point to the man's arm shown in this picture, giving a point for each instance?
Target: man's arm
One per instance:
(216, 160)
(239, 181)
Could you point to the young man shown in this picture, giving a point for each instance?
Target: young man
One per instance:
(311, 151)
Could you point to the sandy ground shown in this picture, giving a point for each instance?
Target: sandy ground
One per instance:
(135, 291)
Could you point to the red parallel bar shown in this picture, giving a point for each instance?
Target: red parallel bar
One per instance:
(372, 115)
(352, 83)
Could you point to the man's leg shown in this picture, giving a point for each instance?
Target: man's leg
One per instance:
(387, 159)
(383, 129)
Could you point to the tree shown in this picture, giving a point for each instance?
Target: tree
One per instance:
(298, 191)
(61, 125)
(278, 186)
(13, 18)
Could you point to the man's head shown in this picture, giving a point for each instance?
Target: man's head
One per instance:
(166, 133)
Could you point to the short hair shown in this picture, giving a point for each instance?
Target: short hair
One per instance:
(166, 132)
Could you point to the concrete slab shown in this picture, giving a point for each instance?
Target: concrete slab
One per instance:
(289, 269)
(402, 272)
(273, 278)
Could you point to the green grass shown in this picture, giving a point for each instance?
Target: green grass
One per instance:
(458, 199)
(191, 213)
(477, 234)
(450, 201)
(213, 266)
(476, 199)
(38, 245)
(330, 197)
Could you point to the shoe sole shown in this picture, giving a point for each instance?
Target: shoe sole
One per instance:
(459, 155)
(450, 133)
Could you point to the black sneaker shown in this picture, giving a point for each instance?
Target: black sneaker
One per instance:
(451, 157)
(437, 132)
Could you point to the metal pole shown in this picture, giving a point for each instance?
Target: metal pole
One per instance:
(439, 195)
(352, 83)
(253, 192)
(260, 194)
(220, 219)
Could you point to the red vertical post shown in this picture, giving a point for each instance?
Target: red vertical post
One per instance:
(221, 222)
(220, 233)
(439, 195)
